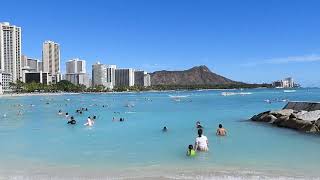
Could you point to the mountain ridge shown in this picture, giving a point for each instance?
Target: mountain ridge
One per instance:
(197, 75)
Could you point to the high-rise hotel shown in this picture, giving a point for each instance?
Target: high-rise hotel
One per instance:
(10, 55)
(51, 60)
(103, 74)
(76, 72)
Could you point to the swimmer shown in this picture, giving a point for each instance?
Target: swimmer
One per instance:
(72, 121)
(165, 129)
(221, 131)
(201, 143)
(19, 113)
(67, 115)
(89, 122)
(121, 119)
(191, 152)
(94, 118)
(198, 125)
(60, 112)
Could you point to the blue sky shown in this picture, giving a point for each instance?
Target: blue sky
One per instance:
(245, 40)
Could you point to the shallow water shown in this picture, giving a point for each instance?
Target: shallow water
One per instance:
(38, 142)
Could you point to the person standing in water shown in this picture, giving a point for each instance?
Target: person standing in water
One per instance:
(191, 152)
(165, 129)
(201, 143)
(198, 125)
(60, 113)
(89, 122)
(221, 131)
(72, 121)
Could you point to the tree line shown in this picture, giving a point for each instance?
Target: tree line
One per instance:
(67, 86)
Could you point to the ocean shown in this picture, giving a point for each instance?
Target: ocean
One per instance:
(37, 143)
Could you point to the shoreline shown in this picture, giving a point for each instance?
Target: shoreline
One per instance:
(115, 92)
(63, 173)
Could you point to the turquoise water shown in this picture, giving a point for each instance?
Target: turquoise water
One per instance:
(38, 141)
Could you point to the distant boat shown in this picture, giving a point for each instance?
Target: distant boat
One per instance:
(289, 91)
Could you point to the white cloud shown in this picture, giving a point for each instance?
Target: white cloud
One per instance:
(285, 60)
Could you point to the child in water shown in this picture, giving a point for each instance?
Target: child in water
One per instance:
(191, 152)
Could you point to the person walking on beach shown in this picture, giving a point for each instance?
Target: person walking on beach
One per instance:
(201, 143)
(221, 131)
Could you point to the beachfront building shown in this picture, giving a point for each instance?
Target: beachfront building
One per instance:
(76, 72)
(29, 65)
(10, 51)
(147, 80)
(141, 78)
(285, 83)
(33, 64)
(37, 77)
(51, 60)
(23, 61)
(76, 66)
(103, 74)
(40, 66)
(124, 77)
(5, 80)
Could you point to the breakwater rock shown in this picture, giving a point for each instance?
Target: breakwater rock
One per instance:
(301, 116)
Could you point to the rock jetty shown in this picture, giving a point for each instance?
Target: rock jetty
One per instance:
(301, 116)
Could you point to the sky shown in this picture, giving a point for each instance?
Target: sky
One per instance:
(251, 41)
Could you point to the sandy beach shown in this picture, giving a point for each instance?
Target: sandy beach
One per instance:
(36, 94)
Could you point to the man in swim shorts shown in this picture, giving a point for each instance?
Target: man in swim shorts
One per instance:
(221, 131)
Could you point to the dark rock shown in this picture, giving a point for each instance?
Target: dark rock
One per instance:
(284, 112)
(292, 116)
(259, 116)
(287, 118)
(317, 123)
(294, 124)
(281, 119)
(268, 118)
(310, 128)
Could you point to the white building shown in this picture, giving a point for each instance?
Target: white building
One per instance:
(40, 66)
(124, 77)
(51, 60)
(76, 72)
(76, 66)
(78, 79)
(147, 80)
(285, 83)
(103, 74)
(5, 79)
(10, 50)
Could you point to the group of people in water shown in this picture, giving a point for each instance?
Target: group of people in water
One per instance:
(90, 120)
(71, 120)
(201, 142)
